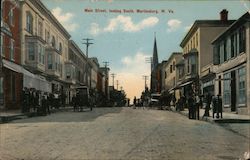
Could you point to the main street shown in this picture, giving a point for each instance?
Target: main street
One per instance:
(118, 133)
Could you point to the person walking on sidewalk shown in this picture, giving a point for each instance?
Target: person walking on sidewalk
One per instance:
(208, 103)
(190, 107)
(197, 106)
(217, 106)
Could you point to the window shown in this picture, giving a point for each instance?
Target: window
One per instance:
(53, 41)
(39, 48)
(47, 36)
(68, 71)
(13, 87)
(171, 68)
(40, 29)
(43, 57)
(11, 17)
(2, 45)
(31, 51)
(227, 89)
(50, 65)
(12, 49)
(242, 85)
(242, 40)
(29, 22)
(216, 55)
(232, 46)
(165, 74)
(225, 50)
(1, 90)
(60, 47)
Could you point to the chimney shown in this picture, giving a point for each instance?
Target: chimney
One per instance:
(223, 15)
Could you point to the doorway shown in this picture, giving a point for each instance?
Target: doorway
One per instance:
(233, 91)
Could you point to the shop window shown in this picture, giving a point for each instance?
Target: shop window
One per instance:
(227, 89)
(242, 85)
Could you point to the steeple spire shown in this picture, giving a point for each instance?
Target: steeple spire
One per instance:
(155, 54)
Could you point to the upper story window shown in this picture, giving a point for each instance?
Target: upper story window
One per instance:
(47, 36)
(242, 39)
(31, 51)
(173, 66)
(53, 41)
(60, 47)
(12, 49)
(2, 45)
(29, 22)
(11, 17)
(40, 29)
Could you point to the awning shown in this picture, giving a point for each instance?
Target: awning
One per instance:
(184, 84)
(30, 80)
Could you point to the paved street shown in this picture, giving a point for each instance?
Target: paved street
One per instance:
(118, 133)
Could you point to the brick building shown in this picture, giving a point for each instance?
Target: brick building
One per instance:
(11, 78)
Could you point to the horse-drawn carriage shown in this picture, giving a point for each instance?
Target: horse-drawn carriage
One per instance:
(82, 99)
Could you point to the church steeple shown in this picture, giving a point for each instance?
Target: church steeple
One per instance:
(155, 55)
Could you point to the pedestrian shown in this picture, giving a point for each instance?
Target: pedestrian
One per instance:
(219, 106)
(190, 107)
(208, 103)
(135, 102)
(197, 106)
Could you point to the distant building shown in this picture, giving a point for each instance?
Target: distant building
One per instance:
(198, 55)
(170, 72)
(75, 69)
(232, 61)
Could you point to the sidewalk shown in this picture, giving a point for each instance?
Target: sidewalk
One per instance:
(9, 115)
(238, 124)
(227, 117)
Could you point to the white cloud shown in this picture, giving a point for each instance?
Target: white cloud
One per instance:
(125, 24)
(65, 19)
(173, 25)
(130, 75)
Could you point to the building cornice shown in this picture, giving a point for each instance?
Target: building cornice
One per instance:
(43, 9)
(204, 23)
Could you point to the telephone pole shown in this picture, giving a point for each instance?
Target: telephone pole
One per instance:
(106, 64)
(87, 43)
(145, 78)
(113, 78)
(117, 84)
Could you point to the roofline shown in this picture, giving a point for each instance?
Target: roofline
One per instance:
(51, 16)
(204, 23)
(243, 19)
(172, 55)
(77, 48)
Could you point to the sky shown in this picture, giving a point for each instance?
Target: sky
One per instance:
(126, 40)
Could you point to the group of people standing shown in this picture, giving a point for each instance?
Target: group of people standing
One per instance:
(195, 102)
(40, 102)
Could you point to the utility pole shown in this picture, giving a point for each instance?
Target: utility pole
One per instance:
(106, 64)
(117, 84)
(87, 43)
(113, 78)
(149, 60)
(145, 78)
